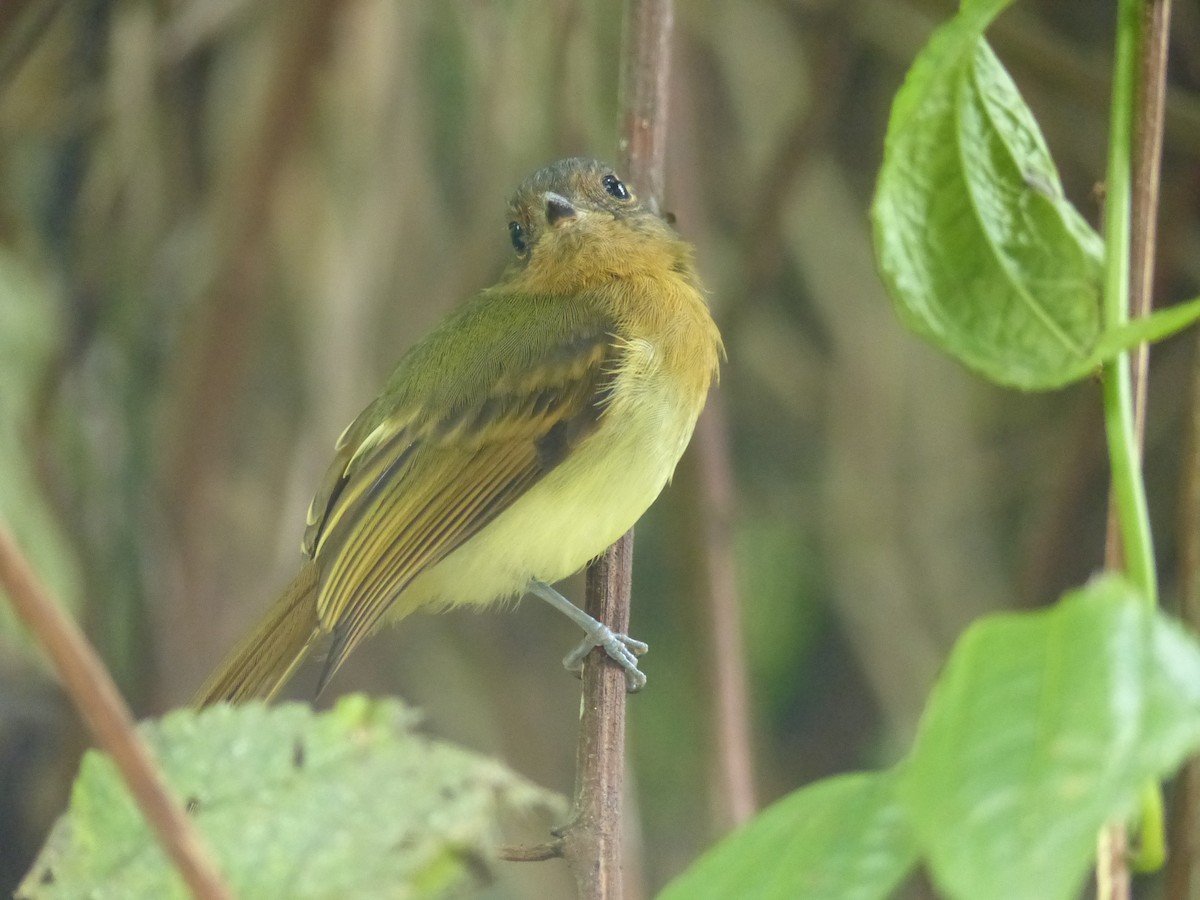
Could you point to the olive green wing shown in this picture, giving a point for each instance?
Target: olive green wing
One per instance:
(415, 479)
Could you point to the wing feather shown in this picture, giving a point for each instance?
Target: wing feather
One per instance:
(407, 487)
(375, 581)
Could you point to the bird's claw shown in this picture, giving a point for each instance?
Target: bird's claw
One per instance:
(621, 649)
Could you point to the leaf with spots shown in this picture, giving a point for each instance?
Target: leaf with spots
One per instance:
(351, 803)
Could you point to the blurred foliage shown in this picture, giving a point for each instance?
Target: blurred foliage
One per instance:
(222, 222)
(27, 347)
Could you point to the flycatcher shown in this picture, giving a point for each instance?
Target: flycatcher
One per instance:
(512, 445)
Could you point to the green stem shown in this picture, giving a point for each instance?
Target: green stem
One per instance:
(1129, 492)
(1128, 488)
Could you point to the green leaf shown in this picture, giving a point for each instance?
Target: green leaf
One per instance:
(979, 249)
(350, 803)
(840, 839)
(1044, 727)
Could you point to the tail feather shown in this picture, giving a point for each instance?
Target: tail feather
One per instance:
(264, 660)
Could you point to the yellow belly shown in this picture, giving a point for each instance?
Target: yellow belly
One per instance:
(579, 508)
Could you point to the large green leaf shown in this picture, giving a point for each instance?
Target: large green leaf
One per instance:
(840, 839)
(1043, 727)
(349, 803)
(978, 247)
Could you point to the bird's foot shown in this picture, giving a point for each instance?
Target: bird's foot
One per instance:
(621, 649)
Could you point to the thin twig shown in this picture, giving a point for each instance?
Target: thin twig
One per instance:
(645, 71)
(592, 841)
(1112, 863)
(95, 695)
(1113, 876)
(1148, 130)
(731, 695)
(532, 852)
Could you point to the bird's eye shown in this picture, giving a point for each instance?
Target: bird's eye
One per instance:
(517, 234)
(614, 188)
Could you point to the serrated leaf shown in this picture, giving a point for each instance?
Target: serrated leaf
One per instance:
(345, 804)
(844, 838)
(980, 251)
(1043, 727)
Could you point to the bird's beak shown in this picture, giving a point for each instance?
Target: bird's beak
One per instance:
(558, 209)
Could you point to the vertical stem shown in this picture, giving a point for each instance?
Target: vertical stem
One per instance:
(1129, 545)
(1148, 125)
(94, 694)
(1150, 106)
(591, 843)
(1112, 868)
(1135, 149)
(645, 75)
(734, 784)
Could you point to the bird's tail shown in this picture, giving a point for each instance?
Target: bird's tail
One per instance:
(263, 660)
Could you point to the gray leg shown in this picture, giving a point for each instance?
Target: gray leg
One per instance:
(621, 648)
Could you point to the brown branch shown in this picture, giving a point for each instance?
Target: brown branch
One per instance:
(731, 697)
(1112, 875)
(645, 70)
(1112, 864)
(533, 852)
(95, 695)
(1183, 867)
(1149, 112)
(592, 840)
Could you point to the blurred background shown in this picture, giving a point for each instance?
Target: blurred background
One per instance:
(222, 221)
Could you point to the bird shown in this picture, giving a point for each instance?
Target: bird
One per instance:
(511, 445)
